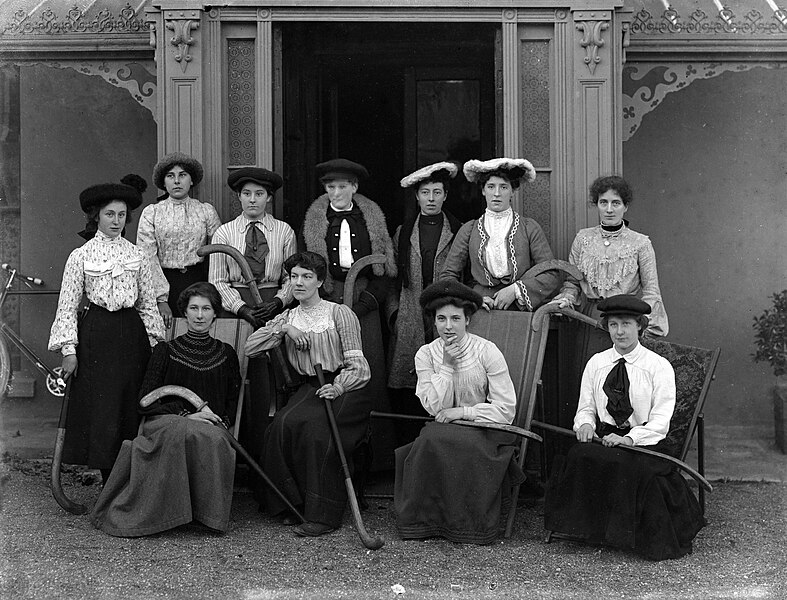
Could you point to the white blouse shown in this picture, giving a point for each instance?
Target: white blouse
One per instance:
(479, 381)
(497, 225)
(113, 273)
(651, 392)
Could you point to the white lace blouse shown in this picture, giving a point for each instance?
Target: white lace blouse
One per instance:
(113, 273)
(612, 263)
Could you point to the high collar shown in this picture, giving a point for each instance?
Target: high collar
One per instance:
(631, 357)
(341, 210)
(264, 221)
(506, 214)
(104, 238)
(197, 337)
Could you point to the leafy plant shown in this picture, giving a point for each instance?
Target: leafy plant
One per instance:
(770, 335)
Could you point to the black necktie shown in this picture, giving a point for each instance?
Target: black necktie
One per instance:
(616, 387)
(256, 250)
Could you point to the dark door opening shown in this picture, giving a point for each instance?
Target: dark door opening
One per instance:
(393, 97)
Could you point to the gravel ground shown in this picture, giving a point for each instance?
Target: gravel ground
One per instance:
(47, 553)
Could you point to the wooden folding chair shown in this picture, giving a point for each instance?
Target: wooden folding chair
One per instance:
(694, 371)
(522, 338)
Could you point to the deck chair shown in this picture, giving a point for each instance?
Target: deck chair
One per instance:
(233, 332)
(522, 338)
(694, 372)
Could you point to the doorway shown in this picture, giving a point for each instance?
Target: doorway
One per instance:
(391, 96)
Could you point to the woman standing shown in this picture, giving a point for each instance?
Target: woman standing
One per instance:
(107, 350)
(421, 245)
(181, 467)
(501, 245)
(604, 495)
(172, 230)
(299, 454)
(614, 259)
(449, 480)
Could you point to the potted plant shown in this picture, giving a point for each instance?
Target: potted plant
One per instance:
(770, 338)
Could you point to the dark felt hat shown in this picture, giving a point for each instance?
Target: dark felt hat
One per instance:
(341, 168)
(450, 288)
(268, 179)
(624, 304)
(130, 192)
(191, 165)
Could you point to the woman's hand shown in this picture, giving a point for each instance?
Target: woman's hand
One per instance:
(327, 392)
(450, 414)
(451, 353)
(207, 415)
(299, 338)
(69, 366)
(505, 297)
(585, 433)
(489, 303)
(561, 302)
(614, 439)
(166, 314)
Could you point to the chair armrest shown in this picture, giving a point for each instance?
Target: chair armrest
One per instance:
(638, 449)
(172, 390)
(498, 426)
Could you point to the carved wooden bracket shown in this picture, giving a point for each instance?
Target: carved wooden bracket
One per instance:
(182, 23)
(591, 41)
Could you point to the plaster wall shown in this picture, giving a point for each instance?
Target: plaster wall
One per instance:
(76, 130)
(709, 170)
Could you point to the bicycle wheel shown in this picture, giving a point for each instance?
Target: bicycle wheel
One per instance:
(5, 367)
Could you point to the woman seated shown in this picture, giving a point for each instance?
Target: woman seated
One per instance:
(449, 480)
(606, 495)
(181, 467)
(298, 452)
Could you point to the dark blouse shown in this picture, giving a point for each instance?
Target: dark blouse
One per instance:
(206, 366)
(430, 228)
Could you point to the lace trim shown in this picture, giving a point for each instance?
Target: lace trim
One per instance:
(485, 241)
(314, 319)
(606, 267)
(353, 354)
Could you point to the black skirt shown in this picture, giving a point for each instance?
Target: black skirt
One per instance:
(180, 280)
(618, 498)
(300, 457)
(112, 356)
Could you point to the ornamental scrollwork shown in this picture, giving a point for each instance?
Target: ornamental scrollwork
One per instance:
(592, 41)
(75, 20)
(725, 22)
(182, 40)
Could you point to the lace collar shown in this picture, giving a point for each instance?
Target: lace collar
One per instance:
(506, 214)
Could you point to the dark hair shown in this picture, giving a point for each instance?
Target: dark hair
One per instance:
(511, 176)
(642, 321)
(614, 183)
(307, 260)
(201, 288)
(430, 310)
(326, 179)
(267, 187)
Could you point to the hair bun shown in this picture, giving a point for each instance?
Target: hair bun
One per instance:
(135, 181)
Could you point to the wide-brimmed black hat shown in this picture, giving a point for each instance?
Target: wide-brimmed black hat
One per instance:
(341, 168)
(191, 165)
(129, 191)
(623, 304)
(450, 288)
(268, 179)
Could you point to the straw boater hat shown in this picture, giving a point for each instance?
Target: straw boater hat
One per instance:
(268, 179)
(341, 168)
(516, 168)
(191, 165)
(442, 171)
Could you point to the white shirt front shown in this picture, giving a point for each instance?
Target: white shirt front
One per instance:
(651, 391)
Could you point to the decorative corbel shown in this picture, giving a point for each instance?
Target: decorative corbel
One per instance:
(591, 24)
(182, 23)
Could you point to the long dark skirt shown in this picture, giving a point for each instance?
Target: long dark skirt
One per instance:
(621, 499)
(300, 457)
(179, 281)
(449, 483)
(176, 471)
(113, 355)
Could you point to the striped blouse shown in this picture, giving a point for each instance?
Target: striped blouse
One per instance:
(334, 342)
(224, 270)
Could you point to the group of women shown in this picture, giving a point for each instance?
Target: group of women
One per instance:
(435, 274)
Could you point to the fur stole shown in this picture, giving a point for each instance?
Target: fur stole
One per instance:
(315, 229)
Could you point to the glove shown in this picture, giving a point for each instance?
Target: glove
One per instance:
(360, 309)
(247, 314)
(366, 304)
(267, 310)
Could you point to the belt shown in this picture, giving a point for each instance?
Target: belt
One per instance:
(260, 285)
